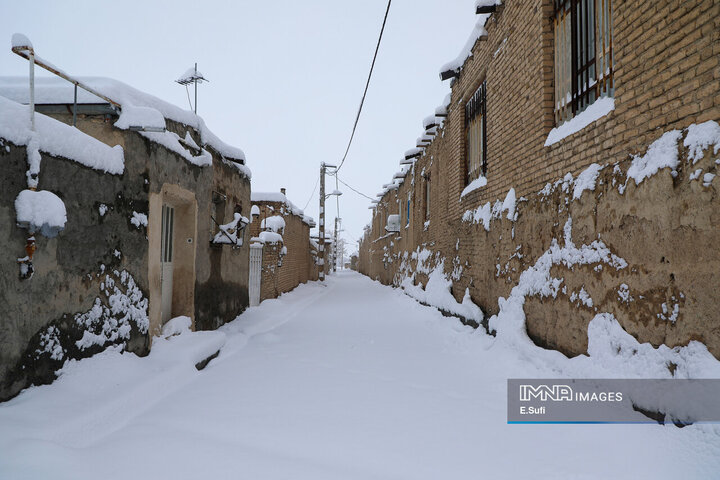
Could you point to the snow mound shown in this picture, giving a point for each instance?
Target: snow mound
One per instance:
(41, 212)
(662, 153)
(700, 137)
(536, 280)
(177, 326)
(276, 224)
(270, 237)
(586, 180)
(132, 116)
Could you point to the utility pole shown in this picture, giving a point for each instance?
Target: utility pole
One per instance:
(321, 237)
(321, 224)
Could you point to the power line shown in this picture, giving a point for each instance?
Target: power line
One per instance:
(337, 197)
(367, 85)
(312, 194)
(351, 188)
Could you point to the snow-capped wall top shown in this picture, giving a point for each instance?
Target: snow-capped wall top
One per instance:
(132, 116)
(276, 224)
(442, 110)
(57, 139)
(413, 151)
(278, 197)
(55, 90)
(19, 40)
(466, 52)
(486, 3)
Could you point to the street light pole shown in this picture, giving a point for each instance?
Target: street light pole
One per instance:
(321, 225)
(335, 245)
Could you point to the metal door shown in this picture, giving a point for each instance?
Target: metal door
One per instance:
(166, 261)
(255, 274)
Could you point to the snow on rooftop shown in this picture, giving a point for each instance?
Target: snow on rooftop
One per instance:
(57, 139)
(466, 52)
(55, 90)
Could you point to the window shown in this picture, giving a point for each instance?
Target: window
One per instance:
(583, 55)
(475, 135)
(427, 197)
(407, 212)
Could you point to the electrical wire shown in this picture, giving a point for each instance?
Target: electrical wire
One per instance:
(337, 197)
(312, 194)
(351, 188)
(367, 85)
(188, 94)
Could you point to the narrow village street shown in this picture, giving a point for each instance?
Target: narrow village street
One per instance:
(347, 380)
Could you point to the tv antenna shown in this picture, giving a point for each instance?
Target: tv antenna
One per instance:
(192, 76)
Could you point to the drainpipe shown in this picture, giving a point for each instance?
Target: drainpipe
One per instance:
(31, 56)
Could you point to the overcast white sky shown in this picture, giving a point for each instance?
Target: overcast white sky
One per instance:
(286, 76)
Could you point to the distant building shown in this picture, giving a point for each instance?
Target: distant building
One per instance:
(282, 256)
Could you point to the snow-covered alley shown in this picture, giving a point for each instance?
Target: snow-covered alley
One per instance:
(346, 380)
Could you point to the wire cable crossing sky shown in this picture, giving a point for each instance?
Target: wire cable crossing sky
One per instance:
(367, 85)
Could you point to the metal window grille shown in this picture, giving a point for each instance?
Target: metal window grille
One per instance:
(427, 197)
(475, 134)
(583, 55)
(168, 220)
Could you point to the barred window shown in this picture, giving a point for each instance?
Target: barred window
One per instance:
(427, 197)
(476, 158)
(583, 55)
(407, 212)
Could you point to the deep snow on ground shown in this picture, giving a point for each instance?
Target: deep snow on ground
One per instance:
(352, 380)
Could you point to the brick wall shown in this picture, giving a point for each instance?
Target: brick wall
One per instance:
(667, 76)
(283, 272)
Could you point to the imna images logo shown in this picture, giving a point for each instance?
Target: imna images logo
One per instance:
(554, 393)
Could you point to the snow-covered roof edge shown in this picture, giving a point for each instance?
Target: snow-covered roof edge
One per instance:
(61, 91)
(57, 139)
(277, 197)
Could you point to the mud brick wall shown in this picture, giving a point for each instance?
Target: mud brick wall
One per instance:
(667, 76)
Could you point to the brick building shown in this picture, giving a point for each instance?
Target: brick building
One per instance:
(280, 234)
(544, 142)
